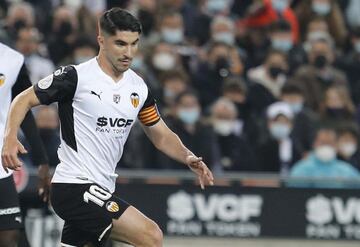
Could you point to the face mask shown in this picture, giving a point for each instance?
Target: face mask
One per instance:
(65, 29)
(357, 46)
(189, 115)
(215, 6)
(172, 35)
(137, 63)
(224, 127)
(296, 107)
(164, 61)
(280, 131)
(321, 8)
(226, 37)
(168, 94)
(275, 72)
(283, 45)
(81, 59)
(279, 5)
(348, 148)
(325, 153)
(222, 67)
(320, 61)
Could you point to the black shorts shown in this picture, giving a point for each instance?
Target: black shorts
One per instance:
(10, 215)
(87, 210)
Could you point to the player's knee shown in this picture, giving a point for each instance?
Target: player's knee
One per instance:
(153, 235)
(9, 238)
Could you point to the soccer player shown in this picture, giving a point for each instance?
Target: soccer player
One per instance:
(13, 80)
(99, 101)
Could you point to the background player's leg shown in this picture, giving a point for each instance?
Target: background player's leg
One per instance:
(9, 238)
(137, 229)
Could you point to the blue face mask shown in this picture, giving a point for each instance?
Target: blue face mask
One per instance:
(172, 35)
(226, 37)
(215, 6)
(283, 45)
(189, 115)
(321, 8)
(296, 107)
(280, 131)
(280, 5)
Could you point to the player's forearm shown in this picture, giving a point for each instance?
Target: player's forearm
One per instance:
(174, 148)
(18, 109)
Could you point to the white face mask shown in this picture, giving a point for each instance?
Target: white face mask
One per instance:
(280, 5)
(296, 107)
(325, 153)
(226, 37)
(348, 148)
(321, 8)
(164, 61)
(172, 35)
(224, 127)
(280, 131)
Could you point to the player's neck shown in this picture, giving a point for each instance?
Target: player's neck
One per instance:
(108, 69)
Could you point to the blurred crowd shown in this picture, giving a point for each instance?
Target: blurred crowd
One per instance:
(249, 85)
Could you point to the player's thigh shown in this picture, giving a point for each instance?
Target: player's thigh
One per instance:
(9, 238)
(135, 228)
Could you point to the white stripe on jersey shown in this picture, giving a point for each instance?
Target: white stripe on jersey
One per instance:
(103, 114)
(10, 64)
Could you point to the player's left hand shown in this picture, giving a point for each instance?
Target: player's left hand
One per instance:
(201, 170)
(44, 182)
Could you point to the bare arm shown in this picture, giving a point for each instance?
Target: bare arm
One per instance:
(18, 109)
(169, 143)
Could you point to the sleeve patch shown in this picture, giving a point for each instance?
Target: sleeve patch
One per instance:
(46, 82)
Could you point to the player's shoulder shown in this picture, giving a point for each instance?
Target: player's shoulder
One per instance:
(67, 72)
(9, 54)
(135, 78)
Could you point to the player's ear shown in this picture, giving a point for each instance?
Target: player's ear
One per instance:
(100, 39)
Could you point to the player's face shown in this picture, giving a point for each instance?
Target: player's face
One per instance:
(120, 49)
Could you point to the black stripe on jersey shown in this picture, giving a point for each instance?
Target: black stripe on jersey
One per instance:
(66, 115)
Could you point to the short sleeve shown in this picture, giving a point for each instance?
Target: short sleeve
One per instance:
(60, 86)
(149, 114)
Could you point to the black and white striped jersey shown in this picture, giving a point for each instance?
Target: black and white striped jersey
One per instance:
(96, 116)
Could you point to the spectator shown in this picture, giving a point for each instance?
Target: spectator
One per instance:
(63, 34)
(173, 83)
(350, 64)
(235, 90)
(19, 15)
(327, 9)
(337, 108)
(194, 134)
(223, 30)
(278, 151)
(172, 28)
(28, 43)
(84, 49)
(305, 120)
(348, 145)
(222, 62)
(235, 152)
(322, 163)
(319, 74)
(281, 40)
(352, 14)
(268, 79)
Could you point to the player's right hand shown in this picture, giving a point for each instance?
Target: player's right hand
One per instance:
(9, 154)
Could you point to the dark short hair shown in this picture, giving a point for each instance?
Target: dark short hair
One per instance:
(234, 84)
(189, 92)
(280, 26)
(119, 19)
(292, 88)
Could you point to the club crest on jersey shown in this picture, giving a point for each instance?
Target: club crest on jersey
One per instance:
(112, 206)
(135, 99)
(116, 98)
(46, 82)
(2, 79)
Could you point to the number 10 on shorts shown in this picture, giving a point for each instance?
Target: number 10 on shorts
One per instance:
(97, 195)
